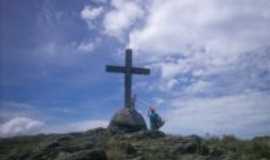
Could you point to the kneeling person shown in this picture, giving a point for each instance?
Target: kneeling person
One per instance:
(155, 120)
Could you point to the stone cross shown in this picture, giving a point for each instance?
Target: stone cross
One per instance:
(128, 70)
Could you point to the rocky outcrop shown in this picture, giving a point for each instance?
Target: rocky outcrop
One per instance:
(92, 154)
(102, 144)
(127, 120)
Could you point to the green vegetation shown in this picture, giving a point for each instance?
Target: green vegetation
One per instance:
(100, 144)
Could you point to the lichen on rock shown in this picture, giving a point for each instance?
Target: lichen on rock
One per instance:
(127, 120)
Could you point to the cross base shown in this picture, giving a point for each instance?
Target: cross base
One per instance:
(127, 120)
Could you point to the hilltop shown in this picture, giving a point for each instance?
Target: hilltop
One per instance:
(100, 144)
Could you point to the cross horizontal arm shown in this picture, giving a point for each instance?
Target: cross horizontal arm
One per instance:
(116, 69)
(140, 70)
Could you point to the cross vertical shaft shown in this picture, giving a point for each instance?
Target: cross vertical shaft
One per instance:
(128, 78)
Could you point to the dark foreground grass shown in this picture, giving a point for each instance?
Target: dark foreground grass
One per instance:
(99, 144)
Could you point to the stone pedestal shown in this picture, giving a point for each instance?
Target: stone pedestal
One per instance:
(127, 120)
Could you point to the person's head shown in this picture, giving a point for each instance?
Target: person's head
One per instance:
(151, 109)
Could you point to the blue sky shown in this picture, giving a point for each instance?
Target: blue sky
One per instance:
(210, 64)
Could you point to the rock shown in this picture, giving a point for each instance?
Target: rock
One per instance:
(204, 150)
(96, 131)
(145, 134)
(185, 148)
(49, 145)
(65, 138)
(78, 147)
(194, 139)
(216, 152)
(53, 145)
(127, 120)
(62, 156)
(154, 134)
(138, 158)
(95, 154)
(142, 145)
(130, 149)
(15, 154)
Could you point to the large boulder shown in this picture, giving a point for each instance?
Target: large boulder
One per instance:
(93, 154)
(127, 120)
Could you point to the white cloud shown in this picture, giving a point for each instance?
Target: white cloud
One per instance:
(23, 119)
(214, 57)
(209, 35)
(86, 47)
(28, 126)
(169, 70)
(89, 45)
(123, 15)
(198, 87)
(171, 83)
(244, 115)
(166, 85)
(20, 126)
(158, 100)
(89, 14)
(12, 109)
(177, 26)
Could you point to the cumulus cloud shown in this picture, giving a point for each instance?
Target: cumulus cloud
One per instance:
(89, 45)
(90, 14)
(29, 126)
(198, 87)
(123, 15)
(18, 118)
(204, 35)
(213, 63)
(13, 109)
(222, 26)
(20, 126)
(244, 115)
(23, 119)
